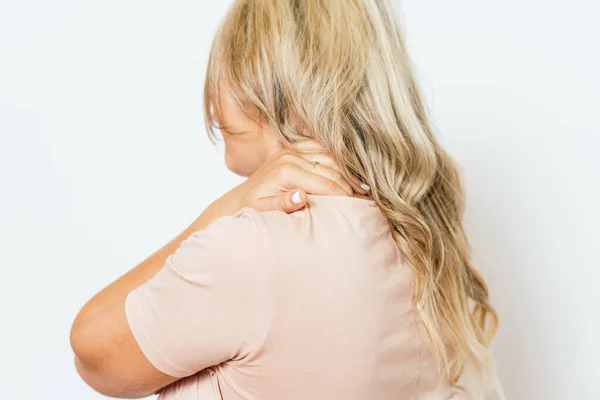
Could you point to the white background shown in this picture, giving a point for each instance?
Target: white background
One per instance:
(104, 158)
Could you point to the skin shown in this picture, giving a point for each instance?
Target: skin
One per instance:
(107, 356)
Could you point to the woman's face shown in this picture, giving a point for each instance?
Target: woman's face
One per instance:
(248, 144)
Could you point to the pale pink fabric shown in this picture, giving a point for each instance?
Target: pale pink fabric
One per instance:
(269, 306)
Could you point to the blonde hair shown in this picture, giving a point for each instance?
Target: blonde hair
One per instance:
(337, 71)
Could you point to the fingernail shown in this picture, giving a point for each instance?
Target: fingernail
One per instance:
(296, 198)
(365, 186)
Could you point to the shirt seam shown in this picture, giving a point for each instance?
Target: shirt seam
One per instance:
(269, 266)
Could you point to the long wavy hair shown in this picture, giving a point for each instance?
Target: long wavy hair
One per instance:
(337, 71)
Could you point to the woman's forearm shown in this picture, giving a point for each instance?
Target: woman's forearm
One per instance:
(119, 289)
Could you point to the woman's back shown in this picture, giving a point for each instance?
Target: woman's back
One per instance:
(322, 302)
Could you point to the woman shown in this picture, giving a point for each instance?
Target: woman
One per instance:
(363, 287)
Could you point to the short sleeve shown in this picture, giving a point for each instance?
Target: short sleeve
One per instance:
(210, 302)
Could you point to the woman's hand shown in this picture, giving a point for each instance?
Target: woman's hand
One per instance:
(285, 180)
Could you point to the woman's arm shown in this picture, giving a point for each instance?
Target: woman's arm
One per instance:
(106, 355)
(105, 313)
(119, 289)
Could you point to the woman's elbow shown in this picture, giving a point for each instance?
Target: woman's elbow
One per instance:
(82, 348)
(88, 361)
(108, 386)
(103, 363)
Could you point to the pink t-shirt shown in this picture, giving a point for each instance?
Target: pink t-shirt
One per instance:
(269, 306)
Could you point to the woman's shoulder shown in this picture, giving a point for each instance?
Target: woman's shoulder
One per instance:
(248, 224)
(328, 223)
(246, 233)
(245, 225)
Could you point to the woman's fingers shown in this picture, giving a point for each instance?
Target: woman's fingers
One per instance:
(313, 151)
(288, 202)
(284, 182)
(295, 176)
(287, 159)
(326, 171)
(324, 159)
(292, 200)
